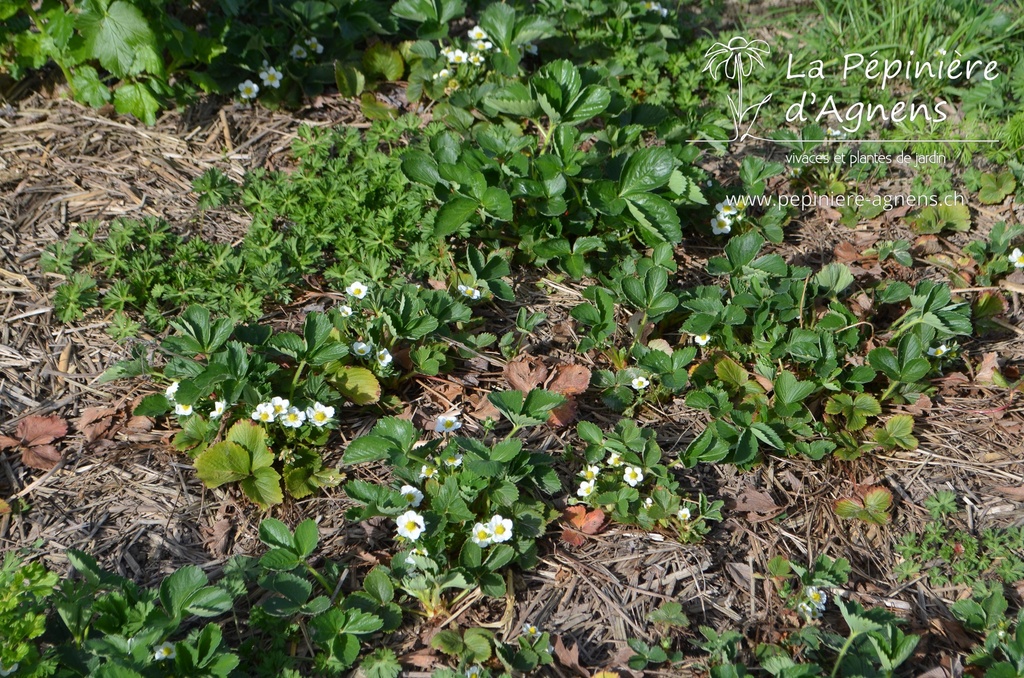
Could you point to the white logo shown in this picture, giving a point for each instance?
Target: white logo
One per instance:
(736, 60)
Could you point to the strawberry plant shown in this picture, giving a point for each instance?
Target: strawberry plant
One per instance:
(466, 509)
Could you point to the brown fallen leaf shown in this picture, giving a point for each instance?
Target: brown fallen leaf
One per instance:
(564, 414)
(1013, 492)
(920, 406)
(483, 408)
(421, 659)
(988, 368)
(927, 244)
(759, 506)
(140, 424)
(570, 380)
(578, 524)
(660, 345)
(845, 253)
(96, 422)
(34, 436)
(525, 374)
(569, 657)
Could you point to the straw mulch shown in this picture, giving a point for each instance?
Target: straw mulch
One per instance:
(122, 494)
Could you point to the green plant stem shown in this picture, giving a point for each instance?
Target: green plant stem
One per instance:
(842, 653)
(319, 578)
(295, 379)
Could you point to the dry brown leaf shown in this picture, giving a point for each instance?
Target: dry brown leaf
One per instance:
(525, 374)
(578, 524)
(759, 506)
(140, 424)
(845, 252)
(569, 657)
(5, 508)
(36, 430)
(96, 422)
(42, 457)
(570, 380)
(483, 408)
(927, 244)
(988, 369)
(7, 443)
(1013, 492)
(660, 345)
(920, 406)
(564, 414)
(741, 573)
(421, 659)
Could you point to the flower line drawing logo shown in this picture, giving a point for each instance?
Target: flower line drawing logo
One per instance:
(736, 60)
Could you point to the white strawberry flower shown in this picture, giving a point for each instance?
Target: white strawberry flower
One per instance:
(590, 472)
(319, 415)
(357, 290)
(264, 413)
(171, 390)
(280, 405)
(475, 671)
(615, 460)
(727, 209)
(938, 351)
(633, 476)
(531, 49)
(8, 670)
(702, 339)
(501, 529)
(410, 525)
(427, 471)
(447, 423)
(298, 52)
(816, 597)
(454, 460)
(345, 311)
(314, 45)
(412, 495)
(481, 535)
(531, 630)
(442, 74)
(683, 514)
(469, 292)
(182, 410)
(720, 226)
(218, 409)
(640, 383)
(477, 33)
(293, 418)
(383, 357)
(1017, 258)
(648, 502)
(271, 77)
(447, 50)
(162, 652)
(482, 45)
(586, 489)
(476, 59)
(362, 349)
(458, 57)
(248, 89)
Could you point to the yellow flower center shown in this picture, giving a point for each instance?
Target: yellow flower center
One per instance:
(499, 530)
(411, 525)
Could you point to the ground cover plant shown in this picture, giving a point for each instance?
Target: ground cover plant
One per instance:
(540, 314)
